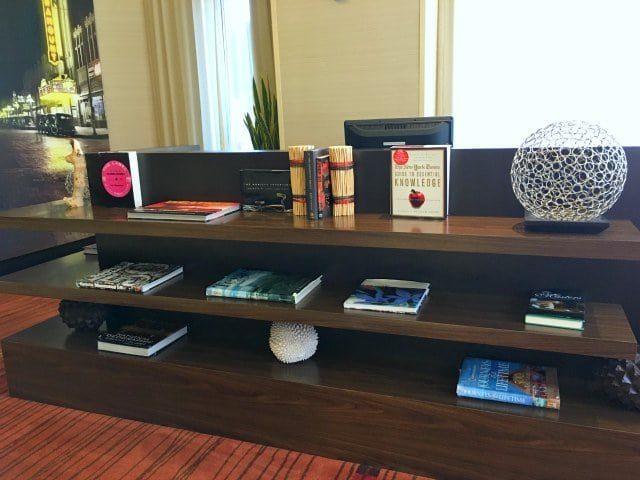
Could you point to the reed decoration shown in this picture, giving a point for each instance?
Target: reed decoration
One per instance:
(342, 180)
(296, 164)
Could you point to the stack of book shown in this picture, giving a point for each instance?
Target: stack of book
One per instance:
(264, 285)
(554, 308)
(509, 382)
(181, 210)
(90, 249)
(142, 338)
(386, 295)
(131, 277)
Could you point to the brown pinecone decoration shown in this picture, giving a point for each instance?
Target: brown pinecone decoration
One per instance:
(620, 380)
(84, 317)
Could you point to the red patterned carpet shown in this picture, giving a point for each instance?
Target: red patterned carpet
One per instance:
(40, 441)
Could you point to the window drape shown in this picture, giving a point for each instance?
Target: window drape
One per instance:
(224, 53)
(174, 72)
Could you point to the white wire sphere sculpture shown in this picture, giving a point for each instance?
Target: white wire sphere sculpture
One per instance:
(569, 171)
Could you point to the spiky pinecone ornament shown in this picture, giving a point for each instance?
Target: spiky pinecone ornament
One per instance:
(620, 380)
(293, 342)
(82, 316)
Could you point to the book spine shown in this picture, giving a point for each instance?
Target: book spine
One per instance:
(129, 288)
(311, 184)
(487, 394)
(228, 293)
(323, 183)
(272, 297)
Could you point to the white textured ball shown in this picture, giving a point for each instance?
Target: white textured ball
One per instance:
(293, 342)
(569, 171)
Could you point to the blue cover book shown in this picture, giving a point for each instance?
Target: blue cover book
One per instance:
(510, 382)
(386, 295)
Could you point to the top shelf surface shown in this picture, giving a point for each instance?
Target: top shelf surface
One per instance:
(496, 235)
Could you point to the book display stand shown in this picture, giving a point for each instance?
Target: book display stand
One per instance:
(381, 389)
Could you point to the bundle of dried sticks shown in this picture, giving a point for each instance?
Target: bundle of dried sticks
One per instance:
(296, 164)
(342, 181)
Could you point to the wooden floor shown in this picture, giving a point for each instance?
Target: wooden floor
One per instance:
(40, 441)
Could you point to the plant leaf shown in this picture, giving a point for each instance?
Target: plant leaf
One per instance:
(263, 128)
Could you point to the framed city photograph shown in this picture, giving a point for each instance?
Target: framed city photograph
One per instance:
(50, 93)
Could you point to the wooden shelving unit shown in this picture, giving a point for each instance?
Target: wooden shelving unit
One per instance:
(490, 320)
(381, 389)
(350, 401)
(498, 235)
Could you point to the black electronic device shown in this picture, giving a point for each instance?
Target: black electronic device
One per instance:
(383, 133)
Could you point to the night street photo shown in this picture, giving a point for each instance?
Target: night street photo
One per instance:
(50, 92)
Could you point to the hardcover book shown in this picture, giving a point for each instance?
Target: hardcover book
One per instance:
(318, 183)
(131, 277)
(509, 382)
(184, 210)
(263, 285)
(555, 308)
(143, 338)
(385, 295)
(420, 181)
(263, 189)
(90, 249)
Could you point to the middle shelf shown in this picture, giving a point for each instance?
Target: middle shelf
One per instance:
(453, 316)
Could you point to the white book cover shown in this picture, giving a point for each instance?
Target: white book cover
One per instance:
(420, 181)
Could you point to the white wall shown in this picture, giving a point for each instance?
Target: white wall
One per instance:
(345, 59)
(126, 76)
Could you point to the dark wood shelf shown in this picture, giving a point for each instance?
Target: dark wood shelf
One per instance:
(211, 381)
(348, 362)
(496, 235)
(472, 318)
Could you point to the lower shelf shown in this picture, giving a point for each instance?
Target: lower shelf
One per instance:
(364, 397)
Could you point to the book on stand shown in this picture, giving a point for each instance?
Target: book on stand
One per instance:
(510, 382)
(264, 285)
(556, 308)
(420, 181)
(131, 277)
(317, 183)
(386, 295)
(142, 338)
(184, 210)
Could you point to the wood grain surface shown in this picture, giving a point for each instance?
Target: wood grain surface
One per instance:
(463, 317)
(362, 397)
(499, 235)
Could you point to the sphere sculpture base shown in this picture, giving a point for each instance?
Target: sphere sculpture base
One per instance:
(536, 224)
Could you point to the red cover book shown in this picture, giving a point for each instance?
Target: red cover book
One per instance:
(186, 210)
(323, 177)
(317, 183)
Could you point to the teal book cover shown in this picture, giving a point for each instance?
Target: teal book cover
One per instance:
(510, 382)
(264, 285)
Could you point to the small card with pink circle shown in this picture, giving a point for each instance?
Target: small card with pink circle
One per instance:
(420, 181)
(116, 179)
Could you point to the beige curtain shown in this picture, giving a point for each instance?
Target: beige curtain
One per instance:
(174, 72)
(444, 60)
(262, 41)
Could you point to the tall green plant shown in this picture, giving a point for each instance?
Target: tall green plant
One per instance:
(263, 128)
